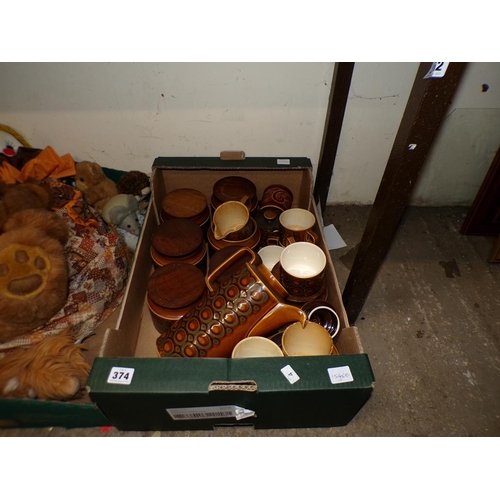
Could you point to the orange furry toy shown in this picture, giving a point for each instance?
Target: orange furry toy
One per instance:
(33, 266)
(53, 369)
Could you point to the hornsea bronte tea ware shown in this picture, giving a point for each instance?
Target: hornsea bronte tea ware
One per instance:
(311, 340)
(256, 347)
(323, 313)
(251, 302)
(303, 269)
(296, 225)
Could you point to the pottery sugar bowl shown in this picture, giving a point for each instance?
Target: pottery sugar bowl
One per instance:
(234, 188)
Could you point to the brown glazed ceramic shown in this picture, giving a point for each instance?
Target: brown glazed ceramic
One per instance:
(323, 313)
(186, 203)
(234, 188)
(296, 225)
(163, 317)
(303, 267)
(298, 300)
(177, 237)
(278, 196)
(197, 258)
(250, 302)
(251, 241)
(228, 219)
(220, 256)
(168, 296)
(178, 240)
(267, 219)
(167, 285)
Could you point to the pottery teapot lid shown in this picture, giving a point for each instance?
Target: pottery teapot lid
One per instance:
(268, 218)
(176, 285)
(184, 203)
(177, 237)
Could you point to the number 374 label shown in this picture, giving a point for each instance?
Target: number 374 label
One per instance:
(120, 375)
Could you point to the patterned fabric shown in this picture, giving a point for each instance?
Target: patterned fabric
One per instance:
(98, 267)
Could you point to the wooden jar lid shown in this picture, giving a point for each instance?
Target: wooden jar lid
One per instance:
(234, 188)
(177, 237)
(185, 203)
(176, 285)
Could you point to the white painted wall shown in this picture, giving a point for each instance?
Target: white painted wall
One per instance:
(466, 143)
(377, 100)
(463, 149)
(123, 115)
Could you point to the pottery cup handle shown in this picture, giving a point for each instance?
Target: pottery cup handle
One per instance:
(312, 237)
(227, 263)
(273, 240)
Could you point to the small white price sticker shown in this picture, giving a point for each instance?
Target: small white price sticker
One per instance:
(120, 375)
(283, 162)
(340, 375)
(290, 374)
(438, 69)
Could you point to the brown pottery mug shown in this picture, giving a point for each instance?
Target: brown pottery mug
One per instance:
(277, 195)
(303, 267)
(296, 225)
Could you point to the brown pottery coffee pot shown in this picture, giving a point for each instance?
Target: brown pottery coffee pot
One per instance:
(248, 303)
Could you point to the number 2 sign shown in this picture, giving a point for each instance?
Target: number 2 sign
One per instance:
(438, 69)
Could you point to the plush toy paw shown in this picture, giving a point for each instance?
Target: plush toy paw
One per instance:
(24, 271)
(33, 280)
(53, 369)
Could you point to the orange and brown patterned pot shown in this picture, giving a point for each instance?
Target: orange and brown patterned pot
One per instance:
(250, 302)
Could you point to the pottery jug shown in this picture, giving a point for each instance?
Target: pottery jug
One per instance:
(250, 302)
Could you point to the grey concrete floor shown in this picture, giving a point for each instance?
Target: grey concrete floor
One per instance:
(431, 327)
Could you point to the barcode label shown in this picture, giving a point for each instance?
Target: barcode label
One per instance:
(208, 414)
(205, 412)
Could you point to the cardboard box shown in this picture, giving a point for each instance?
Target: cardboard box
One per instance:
(136, 390)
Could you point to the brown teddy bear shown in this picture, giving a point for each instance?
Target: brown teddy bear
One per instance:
(33, 265)
(96, 188)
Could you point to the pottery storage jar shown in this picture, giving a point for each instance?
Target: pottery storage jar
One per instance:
(186, 203)
(168, 297)
(178, 240)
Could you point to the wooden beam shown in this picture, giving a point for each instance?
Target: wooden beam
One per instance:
(426, 108)
(339, 92)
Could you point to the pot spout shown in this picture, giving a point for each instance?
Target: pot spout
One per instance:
(276, 318)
